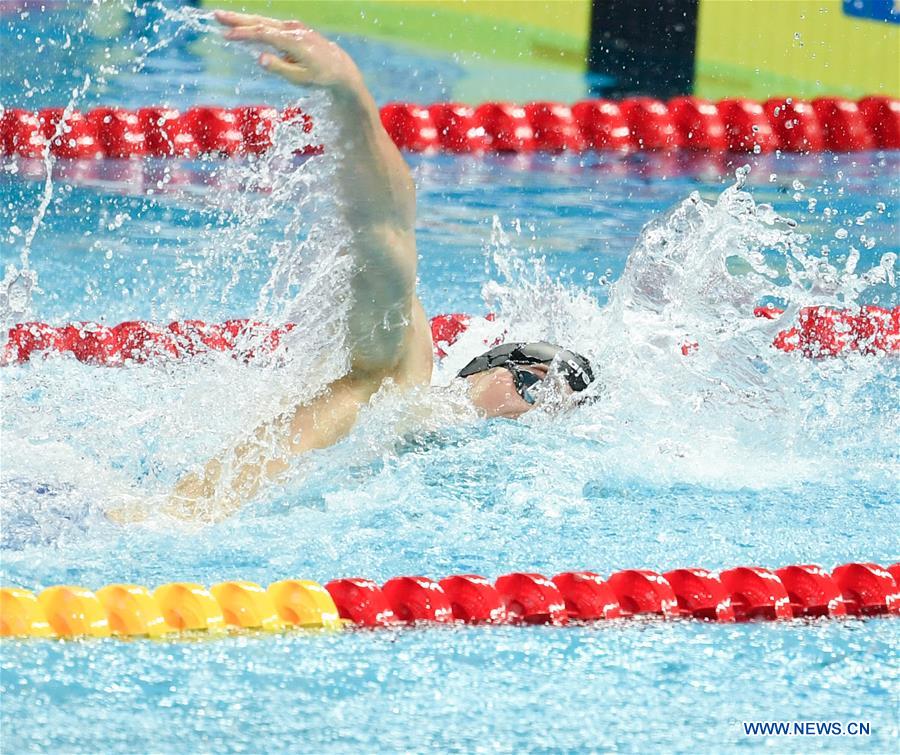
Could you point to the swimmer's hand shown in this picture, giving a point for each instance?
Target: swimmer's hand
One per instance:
(195, 497)
(132, 508)
(129, 513)
(178, 505)
(307, 58)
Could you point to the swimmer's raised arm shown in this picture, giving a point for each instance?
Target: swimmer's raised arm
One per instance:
(389, 336)
(373, 181)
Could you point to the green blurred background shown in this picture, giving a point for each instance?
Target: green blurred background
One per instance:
(752, 48)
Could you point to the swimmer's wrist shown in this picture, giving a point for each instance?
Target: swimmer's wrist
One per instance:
(358, 113)
(350, 89)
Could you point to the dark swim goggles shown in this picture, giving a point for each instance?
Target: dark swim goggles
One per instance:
(573, 367)
(524, 380)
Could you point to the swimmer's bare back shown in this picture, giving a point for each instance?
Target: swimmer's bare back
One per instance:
(389, 336)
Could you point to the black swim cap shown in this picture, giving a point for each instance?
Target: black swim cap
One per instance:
(574, 367)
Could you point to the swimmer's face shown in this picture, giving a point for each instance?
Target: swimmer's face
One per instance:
(494, 391)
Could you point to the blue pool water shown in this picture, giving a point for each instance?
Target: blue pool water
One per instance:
(737, 455)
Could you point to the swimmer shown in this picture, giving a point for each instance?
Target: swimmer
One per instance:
(389, 334)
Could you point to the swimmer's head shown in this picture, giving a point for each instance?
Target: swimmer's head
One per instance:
(513, 378)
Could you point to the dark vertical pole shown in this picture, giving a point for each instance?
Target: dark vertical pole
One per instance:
(643, 46)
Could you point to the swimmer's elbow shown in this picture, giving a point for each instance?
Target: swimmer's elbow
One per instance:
(397, 346)
(377, 355)
(383, 289)
(385, 254)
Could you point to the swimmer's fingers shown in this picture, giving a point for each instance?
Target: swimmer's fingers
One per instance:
(295, 43)
(308, 57)
(232, 19)
(286, 68)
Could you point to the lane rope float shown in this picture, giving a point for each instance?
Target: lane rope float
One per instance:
(819, 332)
(826, 124)
(744, 593)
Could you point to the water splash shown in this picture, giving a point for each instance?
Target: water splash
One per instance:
(283, 215)
(19, 284)
(733, 405)
(16, 290)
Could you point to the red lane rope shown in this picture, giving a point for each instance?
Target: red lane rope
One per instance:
(819, 332)
(639, 123)
(740, 594)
